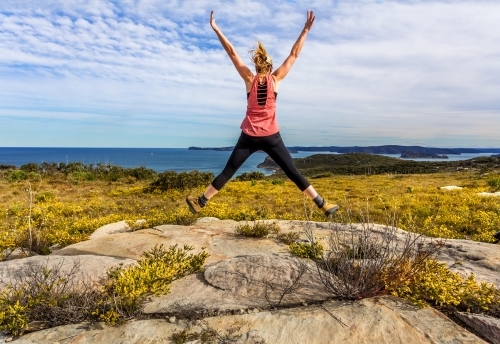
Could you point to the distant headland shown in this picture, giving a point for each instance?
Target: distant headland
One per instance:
(386, 149)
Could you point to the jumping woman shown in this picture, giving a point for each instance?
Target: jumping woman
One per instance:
(259, 128)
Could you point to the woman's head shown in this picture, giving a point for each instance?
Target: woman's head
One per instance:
(262, 61)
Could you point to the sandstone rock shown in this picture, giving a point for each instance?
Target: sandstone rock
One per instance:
(221, 243)
(90, 266)
(490, 194)
(217, 237)
(113, 228)
(243, 282)
(450, 188)
(17, 253)
(376, 320)
(489, 327)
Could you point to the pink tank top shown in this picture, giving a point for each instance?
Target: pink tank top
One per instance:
(261, 120)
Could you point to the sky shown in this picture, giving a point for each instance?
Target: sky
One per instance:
(152, 73)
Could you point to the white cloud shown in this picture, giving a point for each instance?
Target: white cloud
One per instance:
(419, 71)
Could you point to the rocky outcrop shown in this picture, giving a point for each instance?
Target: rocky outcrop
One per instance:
(489, 327)
(248, 281)
(376, 320)
(220, 241)
(113, 228)
(269, 164)
(88, 266)
(450, 188)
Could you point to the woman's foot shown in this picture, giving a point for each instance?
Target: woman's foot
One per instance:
(328, 208)
(194, 205)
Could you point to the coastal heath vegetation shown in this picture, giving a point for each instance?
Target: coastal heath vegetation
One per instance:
(56, 296)
(66, 209)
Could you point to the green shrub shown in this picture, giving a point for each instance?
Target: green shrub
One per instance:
(278, 181)
(152, 275)
(185, 180)
(82, 176)
(17, 176)
(495, 183)
(141, 173)
(288, 238)
(257, 229)
(306, 250)
(33, 176)
(435, 283)
(31, 167)
(248, 176)
(58, 297)
(45, 196)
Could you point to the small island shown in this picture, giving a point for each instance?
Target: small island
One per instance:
(415, 155)
(269, 164)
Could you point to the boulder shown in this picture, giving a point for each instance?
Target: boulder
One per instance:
(376, 320)
(489, 327)
(490, 194)
(450, 188)
(88, 266)
(243, 282)
(114, 228)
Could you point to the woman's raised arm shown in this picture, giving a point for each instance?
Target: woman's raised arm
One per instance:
(283, 70)
(242, 69)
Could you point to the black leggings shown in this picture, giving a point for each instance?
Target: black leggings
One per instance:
(273, 145)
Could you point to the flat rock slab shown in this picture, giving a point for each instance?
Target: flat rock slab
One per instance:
(489, 327)
(112, 228)
(221, 243)
(89, 266)
(450, 187)
(490, 194)
(241, 283)
(376, 320)
(216, 236)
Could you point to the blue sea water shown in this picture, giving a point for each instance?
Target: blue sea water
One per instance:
(158, 159)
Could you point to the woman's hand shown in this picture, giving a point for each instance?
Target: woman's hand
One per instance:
(212, 21)
(309, 21)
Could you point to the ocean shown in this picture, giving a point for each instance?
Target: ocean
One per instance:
(158, 159)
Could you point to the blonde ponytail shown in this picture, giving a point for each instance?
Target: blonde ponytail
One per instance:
(263, 62)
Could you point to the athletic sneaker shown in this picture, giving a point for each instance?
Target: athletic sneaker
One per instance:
(193, 204)
(328, 208)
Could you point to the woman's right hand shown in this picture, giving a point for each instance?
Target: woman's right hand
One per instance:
(309, 21)
(212, 21)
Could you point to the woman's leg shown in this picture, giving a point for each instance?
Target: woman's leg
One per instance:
(276, 149)
(243, 149)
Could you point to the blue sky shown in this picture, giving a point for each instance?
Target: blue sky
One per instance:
(148, 73)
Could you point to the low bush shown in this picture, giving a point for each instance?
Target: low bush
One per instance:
(17, 176)
(306, 250)
(362, 261)
(495, 183)
(59, 296)
(288, 238)
(51, 297)
(31, 167)
(258, 229)
(248, 176)
(437, 284)
(278, 181)
(185, 180)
